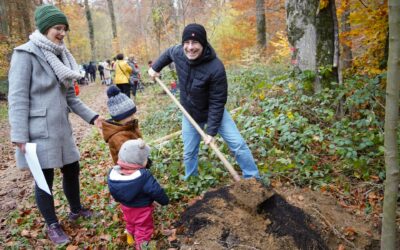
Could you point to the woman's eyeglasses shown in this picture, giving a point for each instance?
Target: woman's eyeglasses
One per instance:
(60, 29)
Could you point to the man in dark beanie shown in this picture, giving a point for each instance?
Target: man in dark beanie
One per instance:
(195, 32)
(203, 93)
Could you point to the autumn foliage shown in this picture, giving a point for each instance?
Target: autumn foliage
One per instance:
(231, 30)
(368, 36)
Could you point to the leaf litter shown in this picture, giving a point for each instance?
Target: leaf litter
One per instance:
(240, 216)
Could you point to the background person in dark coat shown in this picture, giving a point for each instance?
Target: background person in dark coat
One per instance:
(203, 93)
(101, 72)
(86, 69)
(92, 71)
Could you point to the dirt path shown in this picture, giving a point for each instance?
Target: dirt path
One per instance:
(17, 186)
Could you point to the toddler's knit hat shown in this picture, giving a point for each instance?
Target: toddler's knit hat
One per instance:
(134, 152)
(119, 105)
(48, 15)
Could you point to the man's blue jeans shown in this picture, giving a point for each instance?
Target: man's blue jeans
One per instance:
(230, 134)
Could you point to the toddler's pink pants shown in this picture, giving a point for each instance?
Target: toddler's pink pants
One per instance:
(139, 223)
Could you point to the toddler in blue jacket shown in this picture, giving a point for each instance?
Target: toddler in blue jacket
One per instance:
(134, 186)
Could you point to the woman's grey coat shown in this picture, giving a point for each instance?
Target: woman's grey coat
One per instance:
(38, 109)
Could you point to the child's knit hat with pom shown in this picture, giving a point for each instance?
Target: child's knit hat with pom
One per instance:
(119, 105)
(134, 152)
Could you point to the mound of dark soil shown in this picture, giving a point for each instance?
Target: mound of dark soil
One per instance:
(224, 220)
(246, 215)
(288, 220)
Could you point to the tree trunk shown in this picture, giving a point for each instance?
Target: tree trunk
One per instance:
(183, 7)
(20, 29)
(28, 17)
(3, 19)
(347, 55)
(384, 62)
(91, 31)
(389, 228)
(336, 67)
(175, 13)
(157, 19)
(326, 43)
(311, 34)
(112, 17)
(261, 30)
(302, 32)
(139, 16)
(336, 50)
(115, 41)
(10, 11)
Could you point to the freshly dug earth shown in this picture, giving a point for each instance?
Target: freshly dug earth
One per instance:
(246, 215)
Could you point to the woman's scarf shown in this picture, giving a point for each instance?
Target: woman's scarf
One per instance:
(128, 168)
(67, 69)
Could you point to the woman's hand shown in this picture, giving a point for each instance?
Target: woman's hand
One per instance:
(21, 146)
(99, 122)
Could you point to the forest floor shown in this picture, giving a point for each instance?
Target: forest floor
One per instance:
(244, 215)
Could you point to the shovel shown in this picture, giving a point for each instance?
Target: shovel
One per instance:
(227, 165)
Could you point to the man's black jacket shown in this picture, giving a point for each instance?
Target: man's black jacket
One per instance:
(202, 83)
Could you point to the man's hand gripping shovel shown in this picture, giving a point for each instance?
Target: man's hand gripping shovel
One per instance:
(212, 144)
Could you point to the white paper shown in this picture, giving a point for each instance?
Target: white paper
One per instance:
(34, 166)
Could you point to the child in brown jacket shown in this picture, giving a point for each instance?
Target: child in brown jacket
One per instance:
(122, 126)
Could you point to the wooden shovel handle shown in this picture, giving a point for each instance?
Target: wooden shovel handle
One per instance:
(226, 163)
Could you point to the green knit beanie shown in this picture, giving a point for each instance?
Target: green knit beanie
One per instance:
(47, 15)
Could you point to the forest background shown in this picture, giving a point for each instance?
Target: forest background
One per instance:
(324, 125)
(146, 28)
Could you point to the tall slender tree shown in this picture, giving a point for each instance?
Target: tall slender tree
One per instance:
(157, 24)
(182, 9)
(27, 7)
(112, 17)
(346, 55)
(3, 18)
(389, 228)
(261, 26)
(139, 16)
(111, 11)
(91, 31)
(174, 13)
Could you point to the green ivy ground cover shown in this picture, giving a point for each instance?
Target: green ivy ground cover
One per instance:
(294, 135)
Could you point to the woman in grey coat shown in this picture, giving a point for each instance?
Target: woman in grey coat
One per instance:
(41, 94)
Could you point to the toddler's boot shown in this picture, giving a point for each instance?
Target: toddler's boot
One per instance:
(129, 239)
